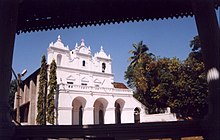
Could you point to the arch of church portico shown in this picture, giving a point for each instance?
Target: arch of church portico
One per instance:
(78, 105)
(119, 104)
(99, 109)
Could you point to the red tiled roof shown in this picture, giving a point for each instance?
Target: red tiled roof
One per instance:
(119, 85)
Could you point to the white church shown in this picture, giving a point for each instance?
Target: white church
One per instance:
(87, 93)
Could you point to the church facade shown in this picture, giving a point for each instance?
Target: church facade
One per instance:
(86, 92)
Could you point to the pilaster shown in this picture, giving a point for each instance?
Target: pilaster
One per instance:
(110, 116)
(88, 116)
(127, 115)
(32, 99)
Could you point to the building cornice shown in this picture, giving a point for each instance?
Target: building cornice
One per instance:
(68, 69)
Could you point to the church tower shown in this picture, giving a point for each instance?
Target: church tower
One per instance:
(79, 67)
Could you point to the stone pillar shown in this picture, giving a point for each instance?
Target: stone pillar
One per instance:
(65, 115)
(88, 116)
(8, 22)
(209, 34)
(110, 116)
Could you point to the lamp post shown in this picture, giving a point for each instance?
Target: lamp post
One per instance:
(18, 97)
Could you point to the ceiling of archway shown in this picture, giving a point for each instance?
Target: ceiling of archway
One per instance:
(36, 15)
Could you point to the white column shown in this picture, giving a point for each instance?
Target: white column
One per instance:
(88, 116)
(110, 115)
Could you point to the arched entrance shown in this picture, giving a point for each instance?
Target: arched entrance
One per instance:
(137, 115)
(99, 110)
(117, 113)
(119, 104)
(77, 110)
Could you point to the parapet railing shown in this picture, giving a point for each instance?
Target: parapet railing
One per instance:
(68, 87)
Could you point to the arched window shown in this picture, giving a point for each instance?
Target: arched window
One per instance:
(136, 115)
(117, 113)
(59, 58)
(103, 67)
(83, 63)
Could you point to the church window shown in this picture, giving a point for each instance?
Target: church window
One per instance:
(83, 63)
(70, 84)
(83, 84)
(136, 115)
(59, 58)
(103, 67)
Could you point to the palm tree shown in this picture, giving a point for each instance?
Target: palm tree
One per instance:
(135, 74)
(138, 54)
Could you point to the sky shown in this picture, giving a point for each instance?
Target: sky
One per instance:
(164, 38)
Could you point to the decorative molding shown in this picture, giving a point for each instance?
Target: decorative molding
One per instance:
(110, 109)
(88, 109)
(65, 108)
(127, 109)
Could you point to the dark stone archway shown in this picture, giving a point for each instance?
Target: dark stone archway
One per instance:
(36, 15)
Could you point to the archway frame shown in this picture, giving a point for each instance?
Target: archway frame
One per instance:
(207, 24)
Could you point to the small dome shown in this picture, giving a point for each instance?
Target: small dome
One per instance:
(82, 48)
(102, 54)
(59, 44)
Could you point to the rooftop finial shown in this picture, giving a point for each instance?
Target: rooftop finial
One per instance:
(59, 38)
(82, 42)
(101, 50)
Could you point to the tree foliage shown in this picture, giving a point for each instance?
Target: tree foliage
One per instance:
(136, 70)
(50, 96)
(13, 90)
(192, 84)
(42, 93)
(165, 82)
